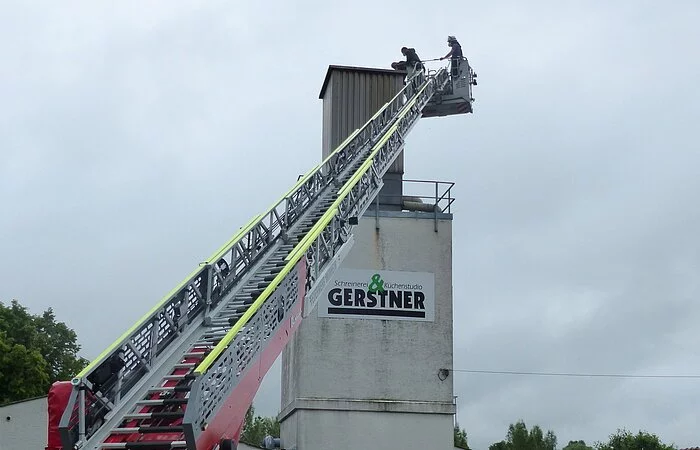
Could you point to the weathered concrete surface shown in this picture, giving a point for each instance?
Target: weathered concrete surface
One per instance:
(375, 382)
(23, 425)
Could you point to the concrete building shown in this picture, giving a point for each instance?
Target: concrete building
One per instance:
(354, 378)
(23, 425)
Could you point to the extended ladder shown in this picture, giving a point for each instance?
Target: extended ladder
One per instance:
(185, 374)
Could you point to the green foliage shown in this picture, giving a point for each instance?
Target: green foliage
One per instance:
(624, 440)
(501, 445)
(35, 351)
(255, 428)
(23, 372)
(59, 346)
(577, 445)
(461, 438)
(519, 438)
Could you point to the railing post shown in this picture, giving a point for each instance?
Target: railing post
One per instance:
(435, 206)
(81, 414)
(154, 340)
(209, 276)
(284, 223)
(449, 200)
(376, 212)
(118, 386)
(317, 255)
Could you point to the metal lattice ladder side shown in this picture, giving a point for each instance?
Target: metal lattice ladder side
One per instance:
(328, 242)
(156, 421)
(150, 415)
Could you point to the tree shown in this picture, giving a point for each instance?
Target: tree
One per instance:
(519, 438)
(35, 351)
(460, 438)
(624, 440)
(577, 445)
(59, 346)
(23, 372)
(255, 428)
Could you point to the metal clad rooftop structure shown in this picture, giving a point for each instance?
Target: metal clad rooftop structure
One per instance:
(351, 96)
(356, 69)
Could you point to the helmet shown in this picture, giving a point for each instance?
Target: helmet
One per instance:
(451, 39)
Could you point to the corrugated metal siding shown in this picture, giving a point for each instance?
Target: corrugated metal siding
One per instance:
(350, 99)
(326, 132)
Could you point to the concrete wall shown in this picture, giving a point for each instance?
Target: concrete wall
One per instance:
(357, 430)
(374, 383)
(23, 425)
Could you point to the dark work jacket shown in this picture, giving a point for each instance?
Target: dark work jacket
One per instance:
(456, 50)
(412, 56)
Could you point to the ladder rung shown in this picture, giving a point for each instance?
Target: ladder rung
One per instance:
(125, 430)
(165, 401)
(154, 415)
(224, 316)
(145, 445)
(155, 390)
(232, 306)
(174, 377)
(144, 430)
(184, 366)
(216, 334)
(222, 324)
(202, 346)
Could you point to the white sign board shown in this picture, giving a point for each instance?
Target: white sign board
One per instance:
(379, 294)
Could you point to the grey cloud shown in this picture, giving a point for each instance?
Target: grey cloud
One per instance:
(137, 138)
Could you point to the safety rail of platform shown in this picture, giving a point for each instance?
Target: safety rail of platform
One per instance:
(103, 383)
(440, 193)
(433, 197)
(227, 363)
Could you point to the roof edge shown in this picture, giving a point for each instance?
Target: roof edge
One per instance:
(23, 401)
(333, 67)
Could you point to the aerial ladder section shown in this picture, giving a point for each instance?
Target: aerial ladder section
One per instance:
(184, 375)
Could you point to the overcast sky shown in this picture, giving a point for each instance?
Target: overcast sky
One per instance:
(136, 138)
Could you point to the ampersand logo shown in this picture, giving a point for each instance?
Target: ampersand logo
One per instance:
(376, 284)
